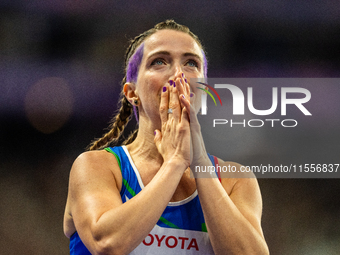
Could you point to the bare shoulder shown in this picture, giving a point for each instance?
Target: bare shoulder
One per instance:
(242, 187)
(90, 159)
(92, 165)
(95, 179)
(230, 169)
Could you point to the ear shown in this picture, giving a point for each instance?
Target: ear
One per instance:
(130, 93)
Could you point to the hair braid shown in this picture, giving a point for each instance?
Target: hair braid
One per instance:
(122, 118)
(116, 128)
(131, 137)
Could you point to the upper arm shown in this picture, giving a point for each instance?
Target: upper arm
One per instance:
(244, 191)
(94, 186)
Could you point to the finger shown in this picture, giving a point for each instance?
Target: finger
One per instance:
(174, 103)
(188, 94)
(157, 139)
(185, 115)
(181, 90)
(163, 106)
(192, 98)
(186, 86)
(180, 86)
(194, 124)
(186, 104)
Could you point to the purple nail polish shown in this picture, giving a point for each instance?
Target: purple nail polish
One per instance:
(154, 132)
(183, 96)
(191, 94)
(182, 74)
(186, 80)
(164, 89)
(171, 82)
(174, 85)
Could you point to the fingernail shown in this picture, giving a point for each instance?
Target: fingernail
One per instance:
(182, 74)
(191, 94)
(174, 84)
(164, 89)
(186, 80)
(183, 96)
(171, 82)
(154, 132)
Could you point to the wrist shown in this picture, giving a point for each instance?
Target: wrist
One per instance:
(203, 168)
(177, 163)
(204, 160)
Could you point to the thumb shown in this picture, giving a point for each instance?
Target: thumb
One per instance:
(158, 138)
(185, 115)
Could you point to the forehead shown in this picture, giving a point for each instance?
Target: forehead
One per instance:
(176, 42)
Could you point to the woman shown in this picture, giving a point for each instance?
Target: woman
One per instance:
(139, 198)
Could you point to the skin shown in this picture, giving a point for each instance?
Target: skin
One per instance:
(161, 152)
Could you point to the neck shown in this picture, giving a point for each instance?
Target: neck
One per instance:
(143, 146)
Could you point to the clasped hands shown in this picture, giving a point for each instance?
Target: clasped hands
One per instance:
(180, 136)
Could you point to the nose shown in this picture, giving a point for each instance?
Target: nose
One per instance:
(177, 71)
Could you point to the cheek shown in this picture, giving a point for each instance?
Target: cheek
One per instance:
(149, 92)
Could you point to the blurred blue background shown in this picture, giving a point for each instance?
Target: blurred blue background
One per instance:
(61, 63)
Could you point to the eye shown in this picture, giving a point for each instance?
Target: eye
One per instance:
(192, 63)
(158, 62)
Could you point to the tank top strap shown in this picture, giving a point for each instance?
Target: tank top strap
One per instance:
(131, 181)
(214, 161)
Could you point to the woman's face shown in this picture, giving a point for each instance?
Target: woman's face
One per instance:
(167, 54)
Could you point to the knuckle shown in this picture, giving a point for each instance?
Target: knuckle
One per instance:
(174, 105)
(162, 109)
(181, 129)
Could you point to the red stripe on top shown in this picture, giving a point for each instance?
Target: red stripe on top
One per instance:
(216, 165)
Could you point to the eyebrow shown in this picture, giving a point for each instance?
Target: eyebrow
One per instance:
(187, 54)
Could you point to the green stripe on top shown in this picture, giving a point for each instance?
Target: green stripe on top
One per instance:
(170, 224)
(127, 186)
(118, 159)
(125, 183)
(204, 227)
(133, 193)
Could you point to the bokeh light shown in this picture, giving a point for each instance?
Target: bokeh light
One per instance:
(49, 104)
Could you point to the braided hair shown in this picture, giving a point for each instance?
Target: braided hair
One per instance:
(133, 57)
